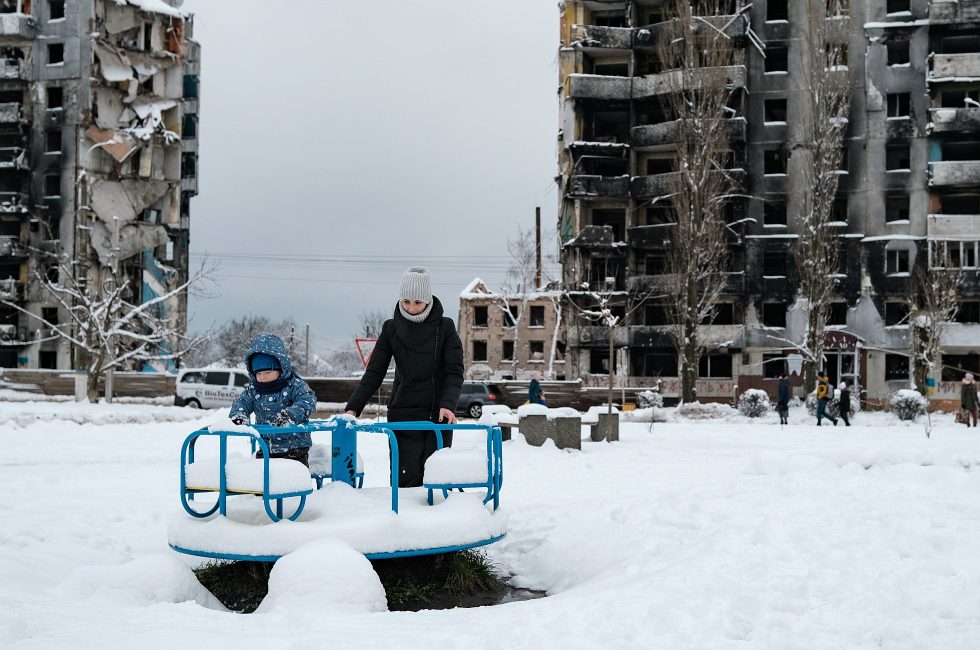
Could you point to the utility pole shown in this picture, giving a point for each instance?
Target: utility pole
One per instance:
(306, 368)
(537, 247)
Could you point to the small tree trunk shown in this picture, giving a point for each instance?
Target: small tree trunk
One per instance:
(92, 385)
(610, 369)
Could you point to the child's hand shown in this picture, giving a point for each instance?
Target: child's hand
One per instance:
(447, 415)
(282, 420)
(239, 419)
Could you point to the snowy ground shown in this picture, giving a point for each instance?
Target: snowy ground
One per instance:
(710, 534)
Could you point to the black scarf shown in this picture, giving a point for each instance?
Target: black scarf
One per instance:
(274, 386)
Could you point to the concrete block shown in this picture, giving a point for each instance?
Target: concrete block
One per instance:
(607, 429)
(567, 432)
(535, 429)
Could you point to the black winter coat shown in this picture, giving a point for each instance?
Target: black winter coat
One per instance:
(428, 367)
(844, 401)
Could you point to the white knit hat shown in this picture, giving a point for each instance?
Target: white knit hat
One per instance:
(416, 285)
(842, 385)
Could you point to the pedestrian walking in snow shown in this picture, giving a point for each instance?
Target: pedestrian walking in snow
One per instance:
(534, 393)
(968, 399)
(428, 372)
(277, 396)
(844, 403)
(782, 402)
(823, 397)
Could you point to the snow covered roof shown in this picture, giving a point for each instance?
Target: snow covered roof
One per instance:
(155, 7)
(477, 288)
(891, 237)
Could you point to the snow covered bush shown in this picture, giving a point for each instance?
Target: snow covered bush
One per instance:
(908, 404)
(754, 403)
(649, 399)
(651, 414)
(707, 411)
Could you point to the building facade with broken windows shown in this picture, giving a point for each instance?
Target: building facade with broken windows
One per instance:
(98, 158)
(508, 337)
(908, 192)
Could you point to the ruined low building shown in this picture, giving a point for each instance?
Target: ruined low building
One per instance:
(495, 348)
(98, 157)
(908, 193)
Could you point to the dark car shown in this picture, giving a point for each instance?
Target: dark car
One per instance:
(474, 395)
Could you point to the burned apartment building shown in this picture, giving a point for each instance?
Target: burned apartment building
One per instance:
(908, 192)
(511, 336)
(98, 158)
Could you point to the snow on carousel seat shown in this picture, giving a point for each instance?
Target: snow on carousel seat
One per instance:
(246, 476)
(450, 468)
(321, 465)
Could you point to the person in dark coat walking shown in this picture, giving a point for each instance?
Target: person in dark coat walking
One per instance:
(782, 403)
(428, 372)
(968, 399)
(277, 396)
(844, 403)
(534, 392)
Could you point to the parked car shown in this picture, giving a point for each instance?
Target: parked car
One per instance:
(475, 394)
(209, 387)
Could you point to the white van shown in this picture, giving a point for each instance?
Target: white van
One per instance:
(209, 387)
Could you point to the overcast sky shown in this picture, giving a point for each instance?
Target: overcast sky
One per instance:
(341, 142)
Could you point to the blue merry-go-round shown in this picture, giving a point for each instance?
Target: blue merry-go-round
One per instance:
(239, 507)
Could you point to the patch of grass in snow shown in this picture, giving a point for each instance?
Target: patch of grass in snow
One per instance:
(443, 581)
(240, 586)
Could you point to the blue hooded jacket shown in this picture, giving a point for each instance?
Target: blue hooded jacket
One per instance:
(294, 396)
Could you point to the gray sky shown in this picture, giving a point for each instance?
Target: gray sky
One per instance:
(341, 143)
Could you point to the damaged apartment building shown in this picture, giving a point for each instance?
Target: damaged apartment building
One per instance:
(908, 192)
(98, 158)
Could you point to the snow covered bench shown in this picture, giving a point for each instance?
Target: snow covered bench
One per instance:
(274, 479)
(457, 468)
(321, 465)
(602, 425)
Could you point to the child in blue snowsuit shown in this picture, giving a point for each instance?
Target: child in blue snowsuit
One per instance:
(277, 396)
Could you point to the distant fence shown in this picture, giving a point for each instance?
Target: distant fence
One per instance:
(61, 382)
(327, 389)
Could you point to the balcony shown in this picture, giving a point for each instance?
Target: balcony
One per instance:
(649, 237)
(952, 120)
(14, 202)
(10, 69)
(10, 113)
(13, 158)
(953, 226)
(650, 336)
(733, 26)
(954, 67)
(615, 38)
(672, 81)
(11, 289)
(584, 186)
(646, 283)
(668, 133)
(954, 173)
(593, 86)
(17, 26)
(658, 185)
(10, 246)
(944, 12)
(596, 335)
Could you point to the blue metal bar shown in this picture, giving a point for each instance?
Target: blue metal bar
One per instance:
(370, 556)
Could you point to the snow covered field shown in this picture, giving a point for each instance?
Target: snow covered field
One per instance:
(711, 534)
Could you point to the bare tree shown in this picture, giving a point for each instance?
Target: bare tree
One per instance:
(932, 299)
(370, 322)
(818, 144)
(108, 328)
(518, 285)
(696, 52)
(234, 337)
(601, 311)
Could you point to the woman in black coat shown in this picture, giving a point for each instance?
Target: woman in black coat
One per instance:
(428, 372)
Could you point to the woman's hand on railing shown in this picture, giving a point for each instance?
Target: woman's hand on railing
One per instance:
(448, 416)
